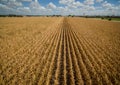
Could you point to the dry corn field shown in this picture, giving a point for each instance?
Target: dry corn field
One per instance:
(59, 51)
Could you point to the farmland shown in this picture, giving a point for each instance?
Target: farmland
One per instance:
(59, 51)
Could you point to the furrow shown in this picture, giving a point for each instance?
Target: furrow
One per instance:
(52, 68)
(69, 64)
(77, 75)
(107, 56)
(19, 59)
(105, 66)
(99, 70)
(59, 62)
(20, 64)
(26, 58)
(46, 67)
(65, 54)
(25, 64)
(21, 50)
(61, 75)
(42, 63)
(88, 63)
(84, 72)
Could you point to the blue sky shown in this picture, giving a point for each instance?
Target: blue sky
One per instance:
(61, 7)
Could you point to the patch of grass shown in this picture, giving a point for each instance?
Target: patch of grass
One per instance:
(111, 19)
(116, 19)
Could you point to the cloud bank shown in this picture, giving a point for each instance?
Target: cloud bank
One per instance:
(65, 7)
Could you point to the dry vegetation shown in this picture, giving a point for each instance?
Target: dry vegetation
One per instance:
(59, 51)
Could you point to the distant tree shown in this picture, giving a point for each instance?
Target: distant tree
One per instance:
(69, 15)
(109, 19)
(72, 16)
(102, 17)
(86, 16)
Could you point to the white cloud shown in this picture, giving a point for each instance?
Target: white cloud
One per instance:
(66, 1)
(24, 10)
(35, 5)
(24, 0)
(74, 7)
(36, 0)
(3, 1)
(99, 1)
(90, 8)
(107, 5)
(71, 3)
(111, 9)
(14, 3)
(89, 2)
(11, 0)
(27, 0)
(119, 1)
(75, 4)
(4, 7)
(36, 8)
(51, 6)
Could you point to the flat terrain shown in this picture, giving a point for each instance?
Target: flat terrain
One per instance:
(59, 51)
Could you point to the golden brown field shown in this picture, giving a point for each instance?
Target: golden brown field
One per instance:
(59, 51)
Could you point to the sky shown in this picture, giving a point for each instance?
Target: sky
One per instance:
(60, 7)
